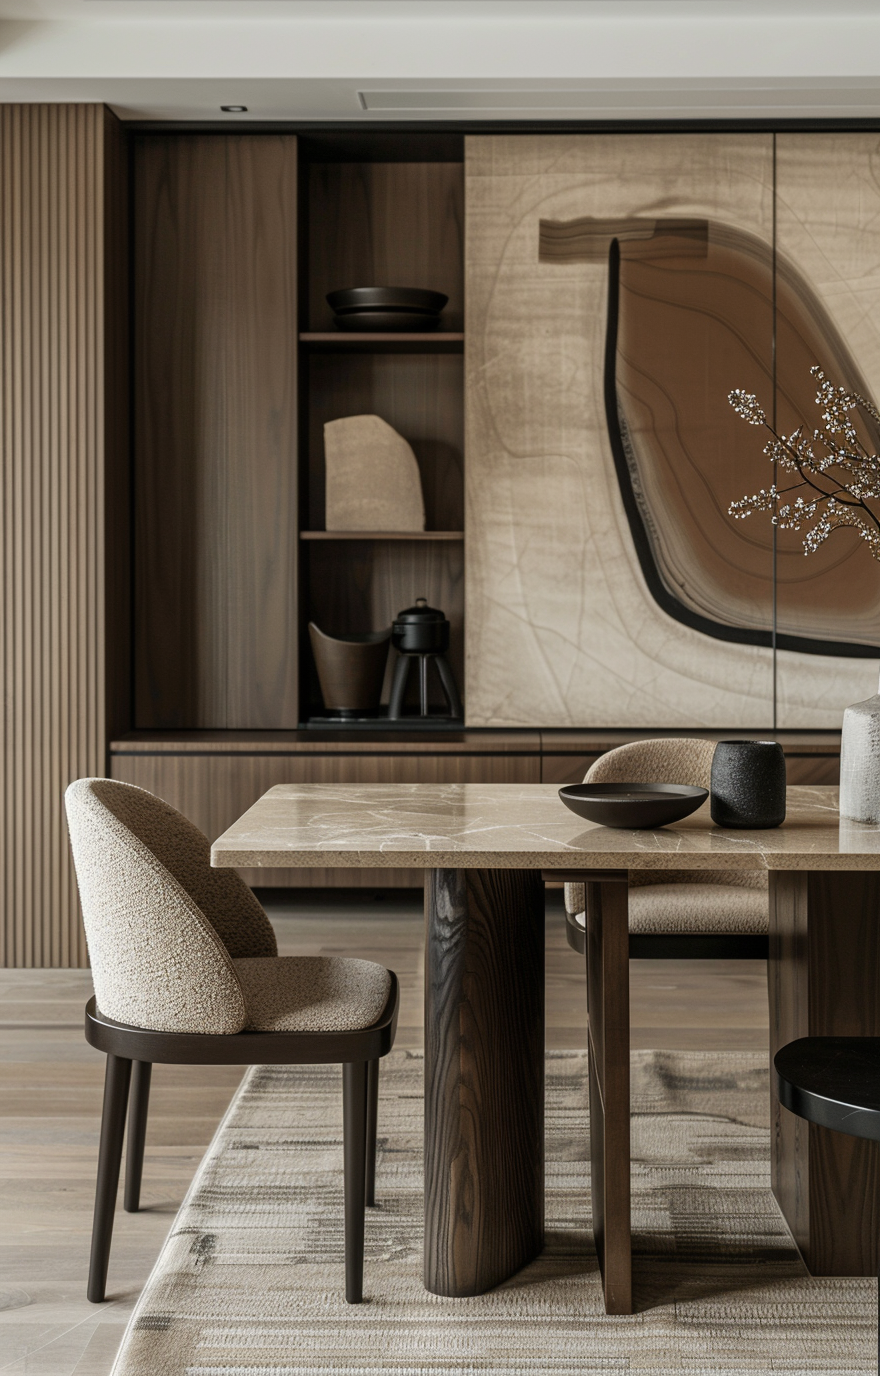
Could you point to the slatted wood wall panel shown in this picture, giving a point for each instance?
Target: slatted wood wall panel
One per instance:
(54, 162)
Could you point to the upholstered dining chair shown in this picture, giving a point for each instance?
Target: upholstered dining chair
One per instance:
(186, 972)
(678, 913)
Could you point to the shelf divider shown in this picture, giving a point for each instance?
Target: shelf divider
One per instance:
(386, 341)
(381, 535)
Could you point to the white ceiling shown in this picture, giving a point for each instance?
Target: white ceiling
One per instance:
(446, 59)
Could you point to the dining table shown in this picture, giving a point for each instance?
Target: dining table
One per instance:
(487, 851)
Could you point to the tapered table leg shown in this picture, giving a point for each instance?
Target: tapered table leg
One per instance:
(824, 978)
(484, 1077)
(607, 955)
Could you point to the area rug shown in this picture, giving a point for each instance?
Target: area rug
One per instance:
(250, 1279)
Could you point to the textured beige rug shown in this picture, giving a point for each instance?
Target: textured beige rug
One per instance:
(249, 1282)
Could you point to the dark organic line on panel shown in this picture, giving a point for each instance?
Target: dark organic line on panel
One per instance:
(665, 599)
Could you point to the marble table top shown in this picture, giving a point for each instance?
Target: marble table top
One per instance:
(522, 826)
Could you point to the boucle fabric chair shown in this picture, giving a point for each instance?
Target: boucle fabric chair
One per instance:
(676, 903)
(186, 971)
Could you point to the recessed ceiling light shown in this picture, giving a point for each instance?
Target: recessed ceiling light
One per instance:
(234, 109)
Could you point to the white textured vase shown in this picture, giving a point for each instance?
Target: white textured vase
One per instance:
(860, 761)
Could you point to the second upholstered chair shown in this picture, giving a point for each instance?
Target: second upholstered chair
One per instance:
(678, 912)
(186, 971)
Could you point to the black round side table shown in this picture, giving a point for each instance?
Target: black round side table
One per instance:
(834, 1082)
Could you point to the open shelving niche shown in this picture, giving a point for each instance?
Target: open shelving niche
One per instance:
(381, 212)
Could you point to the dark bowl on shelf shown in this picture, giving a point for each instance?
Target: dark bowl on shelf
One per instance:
(401, 322)
(403, 310)
(633, 806)
(386, 298)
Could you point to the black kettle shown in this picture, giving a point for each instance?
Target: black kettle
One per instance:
(422, 632)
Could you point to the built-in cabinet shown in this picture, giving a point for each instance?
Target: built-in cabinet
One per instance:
(237, 366)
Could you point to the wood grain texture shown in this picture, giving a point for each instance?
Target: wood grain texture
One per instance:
(409, 536)
(179, 266)
(261, 433)
(213, 790)
(812, 769)
(215, 432)
(331, 741)
(607, 961)
(799, 768)
(62, 408)
(565, 769)
(386, 224)
(118, 627)
(824, 979)
(484, 1077)
(386, 341)
(788, 985)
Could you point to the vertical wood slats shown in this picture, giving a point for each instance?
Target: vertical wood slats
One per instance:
(52, 612)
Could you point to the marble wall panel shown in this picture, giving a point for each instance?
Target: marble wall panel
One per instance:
(828, 227)
(562, 629)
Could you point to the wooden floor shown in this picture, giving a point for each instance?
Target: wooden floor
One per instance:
(50, 1101)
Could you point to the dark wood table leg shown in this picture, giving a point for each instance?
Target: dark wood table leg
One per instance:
(824, 978)
(484, 1077)
(607, 955)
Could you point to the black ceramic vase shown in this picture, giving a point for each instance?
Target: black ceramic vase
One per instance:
(748, 784)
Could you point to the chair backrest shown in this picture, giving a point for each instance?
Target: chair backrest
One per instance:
(162, 927)
(670, 761)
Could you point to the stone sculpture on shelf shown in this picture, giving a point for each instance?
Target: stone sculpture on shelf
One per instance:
(373, 480)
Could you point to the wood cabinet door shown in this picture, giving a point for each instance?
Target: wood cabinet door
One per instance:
(215, 426)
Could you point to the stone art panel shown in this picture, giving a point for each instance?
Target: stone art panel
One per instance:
(828, 231)
(635, 280)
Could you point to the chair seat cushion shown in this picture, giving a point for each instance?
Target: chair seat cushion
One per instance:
(311, 993)
(679, 909)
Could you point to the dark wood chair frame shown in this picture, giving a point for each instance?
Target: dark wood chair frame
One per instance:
(606, 947)
(679, 945)
(133, 1051)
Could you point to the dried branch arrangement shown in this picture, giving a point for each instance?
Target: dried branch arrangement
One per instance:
(836, 477)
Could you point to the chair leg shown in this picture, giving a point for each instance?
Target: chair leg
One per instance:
(138, 1104)
(116, 1082)
(372, 1129)
(354, 1118)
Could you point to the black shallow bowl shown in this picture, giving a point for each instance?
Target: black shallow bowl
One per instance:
(404, 310)
(401, 322)
(634, 806)
(387, 299)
